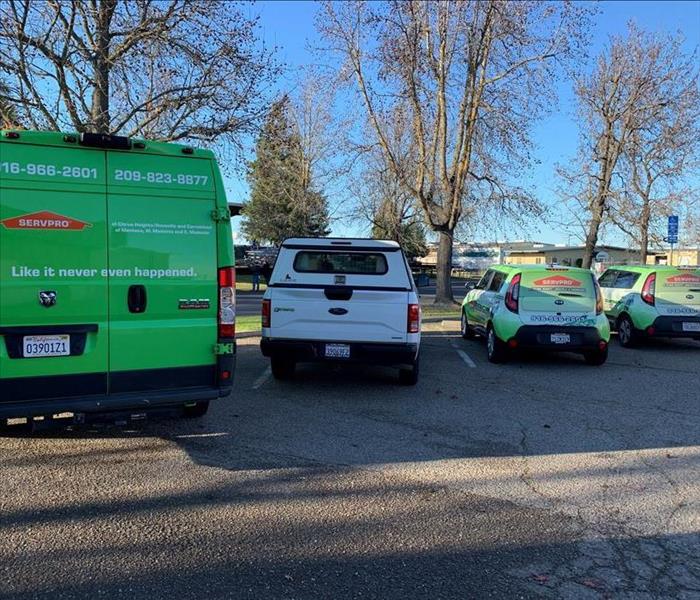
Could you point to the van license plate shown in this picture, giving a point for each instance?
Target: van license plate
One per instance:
(337, 351)
(560, 338)
(691, 326)
(35, 346)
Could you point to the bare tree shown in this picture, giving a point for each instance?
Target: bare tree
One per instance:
(170, 70)
(472, 75)
(627, 108)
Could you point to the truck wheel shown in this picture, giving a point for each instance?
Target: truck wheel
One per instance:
(495, 349)
(464, 327)
(197, 410)
(282, 368)
(626, 334)
(410, 376)
(595, 358)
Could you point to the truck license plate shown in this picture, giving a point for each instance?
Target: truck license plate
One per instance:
(560, 338)
(35, 346)
(337, 351)
(691, 326)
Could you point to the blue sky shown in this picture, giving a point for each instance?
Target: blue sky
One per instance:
(290, 27)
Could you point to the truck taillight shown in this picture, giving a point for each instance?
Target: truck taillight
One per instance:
(413, 325)
(599, 305)
(227, 302)
(513, 294)
(266, 311)
(649, 290)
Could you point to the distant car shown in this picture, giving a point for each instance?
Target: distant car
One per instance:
(341, 300)
(652, 301)
(517, 307)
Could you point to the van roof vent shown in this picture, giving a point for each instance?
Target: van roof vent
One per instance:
(102, 140)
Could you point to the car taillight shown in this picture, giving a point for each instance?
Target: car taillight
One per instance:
(513, 294)
(227, 302)
(413, 324)
(649, 290)
(266, 311)
(599, 305)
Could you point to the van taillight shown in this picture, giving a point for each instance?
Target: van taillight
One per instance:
(413, 325)
(649, 290)
(513, 294)
(266, 311)
(599, 305)
(227, 302)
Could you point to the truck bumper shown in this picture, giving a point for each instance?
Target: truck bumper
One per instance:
(360, 352)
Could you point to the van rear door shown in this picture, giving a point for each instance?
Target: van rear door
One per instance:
(678, 292)
(557, 290)
(163, 271)
(53, 253)
(328, 293)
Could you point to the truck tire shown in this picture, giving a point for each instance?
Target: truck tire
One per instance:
(410, 376)
(197, 410)
(282, 368)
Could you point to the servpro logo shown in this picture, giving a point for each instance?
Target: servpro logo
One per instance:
(45, 220)
(557, 281)
(683, 280)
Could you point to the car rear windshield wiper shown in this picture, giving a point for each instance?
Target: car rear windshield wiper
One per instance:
(570, 295)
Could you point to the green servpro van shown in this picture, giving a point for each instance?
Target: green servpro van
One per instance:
(116, 277)
(652, 301)
(525, 307)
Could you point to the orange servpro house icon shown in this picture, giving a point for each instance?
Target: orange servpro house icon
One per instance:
(45, 220)
(557, 281)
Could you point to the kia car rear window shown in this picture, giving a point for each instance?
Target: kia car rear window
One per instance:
(350, 263)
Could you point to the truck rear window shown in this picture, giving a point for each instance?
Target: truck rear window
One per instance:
(351, 263)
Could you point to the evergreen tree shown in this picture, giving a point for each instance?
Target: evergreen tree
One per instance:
(283, 201)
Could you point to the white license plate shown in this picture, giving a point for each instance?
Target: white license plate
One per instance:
(337, 351)
(560, 338)
(691, 326)
(35, 346)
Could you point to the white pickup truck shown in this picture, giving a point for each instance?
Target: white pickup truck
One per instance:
(341, 300)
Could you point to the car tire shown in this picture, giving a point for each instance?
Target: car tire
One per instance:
(626, 334)
(464, 327)
(282, 368)
(595, 358)
(410, 376)
(496, 350)
(197, 410)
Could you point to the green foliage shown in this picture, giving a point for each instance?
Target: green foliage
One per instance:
(391, 223)
(283, 202)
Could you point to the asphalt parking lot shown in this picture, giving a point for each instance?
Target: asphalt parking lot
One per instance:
(544, 477)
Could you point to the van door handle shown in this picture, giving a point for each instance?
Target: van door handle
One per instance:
(136, 298)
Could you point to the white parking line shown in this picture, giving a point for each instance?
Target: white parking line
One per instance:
(463, 355)
(262, 379)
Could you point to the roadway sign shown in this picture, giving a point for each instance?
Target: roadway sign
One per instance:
(672, 229)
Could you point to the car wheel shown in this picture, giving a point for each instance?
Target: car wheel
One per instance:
(197, 410)
(464, 327)
(495, 349)
(410, 376)
(625, 332)
(282, 368)
(596, 358)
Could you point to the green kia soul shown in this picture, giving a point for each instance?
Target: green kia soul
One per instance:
(116, 277)
(548, 308)
(652, 301)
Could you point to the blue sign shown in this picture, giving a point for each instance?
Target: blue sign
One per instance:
(672, 229)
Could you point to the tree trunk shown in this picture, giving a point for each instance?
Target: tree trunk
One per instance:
(443, 293)
(100, 95)
(644, 231)
(592, 235)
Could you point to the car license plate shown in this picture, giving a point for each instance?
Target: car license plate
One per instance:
(691, 326)
(35, 346)
(560, 338)
(337, 351)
